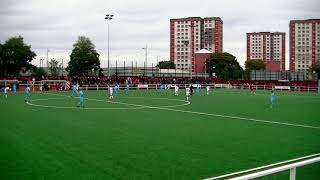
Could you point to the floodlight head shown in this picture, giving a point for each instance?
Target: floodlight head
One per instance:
(109, 16)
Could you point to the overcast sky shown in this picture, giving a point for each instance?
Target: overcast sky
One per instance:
(56, 24)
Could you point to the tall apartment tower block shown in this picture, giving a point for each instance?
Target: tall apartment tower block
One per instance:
(189, 35)
(269, 47)
(304, 44)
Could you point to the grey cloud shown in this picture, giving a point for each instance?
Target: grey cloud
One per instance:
(56, 24)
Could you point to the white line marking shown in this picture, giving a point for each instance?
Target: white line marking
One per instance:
(262, 167)
(114, 102)
(145, 106)
(242, 118)
(70, 107)
(217, 115)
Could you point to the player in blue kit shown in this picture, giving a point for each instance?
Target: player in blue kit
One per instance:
(81, 98)
(116, 89)
(273, 99)
(28, 94)
(198, 89)
(14, 88)
(127, 88)
(161, 87)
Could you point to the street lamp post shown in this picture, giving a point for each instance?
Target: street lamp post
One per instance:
(205, 70)
(109, 17)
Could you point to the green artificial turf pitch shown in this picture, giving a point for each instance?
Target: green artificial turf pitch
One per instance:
(149, 134)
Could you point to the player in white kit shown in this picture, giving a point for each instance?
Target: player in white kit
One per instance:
(111, 93)
(176, 90)
(77, 86)
(208, 90)
(6, 89)
(188, 92)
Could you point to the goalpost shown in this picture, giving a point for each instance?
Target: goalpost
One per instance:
(6, 83)
(57, 85)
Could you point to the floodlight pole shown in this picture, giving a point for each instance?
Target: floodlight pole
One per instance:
(109, 17)
(146, 59)
(146, 55)
(62, 67)
(47, 57)
(157, 60)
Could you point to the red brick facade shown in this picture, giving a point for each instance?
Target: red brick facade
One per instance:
(273, 65)
(283, 60)
(292, 35)
(248, 47)
(313, 43)
(171, 41)
(200, 60)
(218, 36)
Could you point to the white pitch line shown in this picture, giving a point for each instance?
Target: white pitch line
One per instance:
(219, 115)
(70, 107)
(145, 106)
(262, 167)
(242, 118)
(114, 102)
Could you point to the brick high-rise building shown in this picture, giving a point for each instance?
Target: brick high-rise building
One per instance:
(304, 44)
(189, 35)
(269, 47)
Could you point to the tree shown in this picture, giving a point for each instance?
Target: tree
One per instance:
(54, 67)
(15, 56)
(84, 58)
(38, 71)
(166, 65)
(255, 65)
(316, 68)
(224, 65)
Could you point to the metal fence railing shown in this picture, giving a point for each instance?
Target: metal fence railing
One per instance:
(290, 165)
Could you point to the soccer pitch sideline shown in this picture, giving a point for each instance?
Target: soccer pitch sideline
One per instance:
(148, 134)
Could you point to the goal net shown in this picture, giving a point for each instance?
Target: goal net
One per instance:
(8, 83)
(54, 85)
